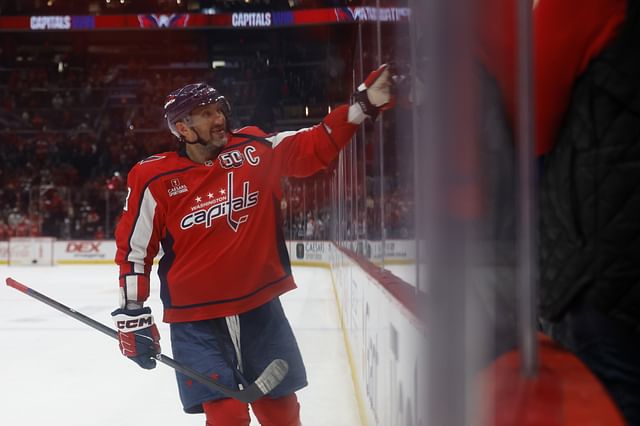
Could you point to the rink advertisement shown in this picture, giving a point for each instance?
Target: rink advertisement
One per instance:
(4, 252)
(84, 251)
(398, 252)
(312, 253)
(383, 337)
(68, 252)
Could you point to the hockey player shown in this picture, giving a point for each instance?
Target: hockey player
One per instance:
(214, 207)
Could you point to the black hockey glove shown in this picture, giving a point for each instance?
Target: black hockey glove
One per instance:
(138, 335)
(375, 94)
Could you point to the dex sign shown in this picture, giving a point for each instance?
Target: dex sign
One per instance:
(83, 247)
(50, 22)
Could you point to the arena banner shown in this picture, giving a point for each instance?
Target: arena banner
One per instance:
(241, 20)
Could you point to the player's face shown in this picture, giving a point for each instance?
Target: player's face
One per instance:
(210, 124)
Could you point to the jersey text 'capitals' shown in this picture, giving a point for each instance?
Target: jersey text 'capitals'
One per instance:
(225, 208)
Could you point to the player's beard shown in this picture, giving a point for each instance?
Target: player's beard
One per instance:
(207, 148)
(218, 137)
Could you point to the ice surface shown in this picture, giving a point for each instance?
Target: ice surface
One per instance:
(55, 370)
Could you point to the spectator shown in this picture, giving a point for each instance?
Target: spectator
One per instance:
(590, 199)
(5, 231)
(100, 234)
(587, 75)
(310, 227)
(15, 218)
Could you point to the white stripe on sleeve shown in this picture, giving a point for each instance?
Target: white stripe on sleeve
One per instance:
(280, 136)
(142, 231)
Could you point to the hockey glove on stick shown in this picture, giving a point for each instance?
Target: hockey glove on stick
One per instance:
(138, 335)
(375, 94)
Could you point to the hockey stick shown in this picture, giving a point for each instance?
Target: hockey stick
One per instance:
(269, 379)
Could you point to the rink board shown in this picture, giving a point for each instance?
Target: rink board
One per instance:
(103, 251)
(381, 335)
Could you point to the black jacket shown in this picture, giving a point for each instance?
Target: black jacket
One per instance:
(590, 190)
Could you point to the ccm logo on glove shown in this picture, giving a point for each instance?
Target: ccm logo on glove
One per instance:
(138, 335)
(132, 320)
(134, 324)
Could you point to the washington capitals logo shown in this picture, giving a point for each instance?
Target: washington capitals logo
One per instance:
(163, 21)
(344, 14)
(227, 207)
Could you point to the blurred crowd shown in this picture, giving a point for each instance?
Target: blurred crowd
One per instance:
(71, 127)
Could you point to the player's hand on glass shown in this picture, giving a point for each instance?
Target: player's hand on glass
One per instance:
(138, 335)
(376, 93)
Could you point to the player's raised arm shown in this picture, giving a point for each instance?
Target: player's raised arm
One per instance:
(306, 151)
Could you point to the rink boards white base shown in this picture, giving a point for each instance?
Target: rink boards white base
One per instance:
(74, 252)
(103, 251)
(382, 337)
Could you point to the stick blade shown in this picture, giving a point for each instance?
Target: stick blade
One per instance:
(272, 375)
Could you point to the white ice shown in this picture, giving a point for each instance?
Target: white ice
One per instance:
(55, 370)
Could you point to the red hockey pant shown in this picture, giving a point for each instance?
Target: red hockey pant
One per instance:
(283, 411)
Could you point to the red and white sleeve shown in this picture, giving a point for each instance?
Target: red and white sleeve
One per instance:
(304, 152)
(137, 240)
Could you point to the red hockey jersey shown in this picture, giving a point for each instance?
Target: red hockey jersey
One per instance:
(218, 222)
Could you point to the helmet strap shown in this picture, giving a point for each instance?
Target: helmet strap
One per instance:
(199, 141)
